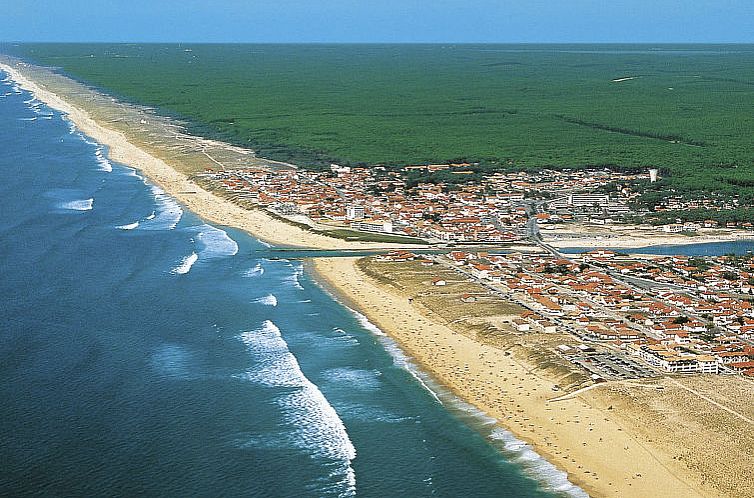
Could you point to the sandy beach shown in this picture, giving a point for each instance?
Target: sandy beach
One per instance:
(587, 441)
(601, 452)
(124, 149)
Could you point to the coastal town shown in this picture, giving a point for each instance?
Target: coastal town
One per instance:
(646, 358)
(499, 208)
(629, 316)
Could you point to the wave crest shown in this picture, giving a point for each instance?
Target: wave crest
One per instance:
(315, 425)
(185, 265)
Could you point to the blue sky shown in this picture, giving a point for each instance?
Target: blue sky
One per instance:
(379, 20)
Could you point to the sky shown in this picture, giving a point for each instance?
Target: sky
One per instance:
(367, 21)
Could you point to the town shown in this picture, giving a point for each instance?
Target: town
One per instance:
(435, 204)
(629, 317)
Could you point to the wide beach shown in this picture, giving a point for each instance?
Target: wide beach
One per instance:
(158, 161)
(581, 434)
(597, 450)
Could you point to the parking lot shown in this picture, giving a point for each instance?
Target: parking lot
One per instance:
(613, 366)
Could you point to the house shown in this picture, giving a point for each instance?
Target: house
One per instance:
(468, 298)
(521, 325)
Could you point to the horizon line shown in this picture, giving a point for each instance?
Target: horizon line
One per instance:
(131, 42)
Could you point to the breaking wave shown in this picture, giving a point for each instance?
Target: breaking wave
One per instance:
(258, 270)
(78, 205)
(129, 226)
(215, 243)
(315, 425)
(294, 277)
(102, 161)
(185, 265)
(268, 300)
(168, 212)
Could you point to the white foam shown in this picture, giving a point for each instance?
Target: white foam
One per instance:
(28, 119)
(315, 425)
(535, 466)
(168, 212)
(294, 277)
(151, 216)
(215, 243)
(78, 205)
(185, 265)
(104, 164)
(129, 226)
(132, 172)
(268, 300)
(258, 270)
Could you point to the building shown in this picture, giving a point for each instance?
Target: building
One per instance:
(588, 200)
(355, 212)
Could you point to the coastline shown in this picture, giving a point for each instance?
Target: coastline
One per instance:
(208, 206)
(556, 434)
(596, 451)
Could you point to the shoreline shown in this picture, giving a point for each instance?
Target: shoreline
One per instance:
(213, 208)
(551, 478)
(573, 435)
(220, 211)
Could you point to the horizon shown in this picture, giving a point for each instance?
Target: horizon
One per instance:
(179, 42)
(389, 22)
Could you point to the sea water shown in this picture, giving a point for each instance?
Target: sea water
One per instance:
(146, 352)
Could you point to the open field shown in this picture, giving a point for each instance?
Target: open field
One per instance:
(686, 109)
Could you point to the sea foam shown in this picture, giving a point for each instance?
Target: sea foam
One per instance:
(168, 212)
(185, 265)
(315, 425)
(268, 300)
(78, 205)
(535, 466)
(129, 226)
(215, 243)
(102, 161)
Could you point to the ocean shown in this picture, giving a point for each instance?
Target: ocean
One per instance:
(146, 352)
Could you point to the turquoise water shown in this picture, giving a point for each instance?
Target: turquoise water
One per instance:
(145, 352)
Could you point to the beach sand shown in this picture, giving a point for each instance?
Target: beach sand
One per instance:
(587, 441)
(154, 164)
(595, 448)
